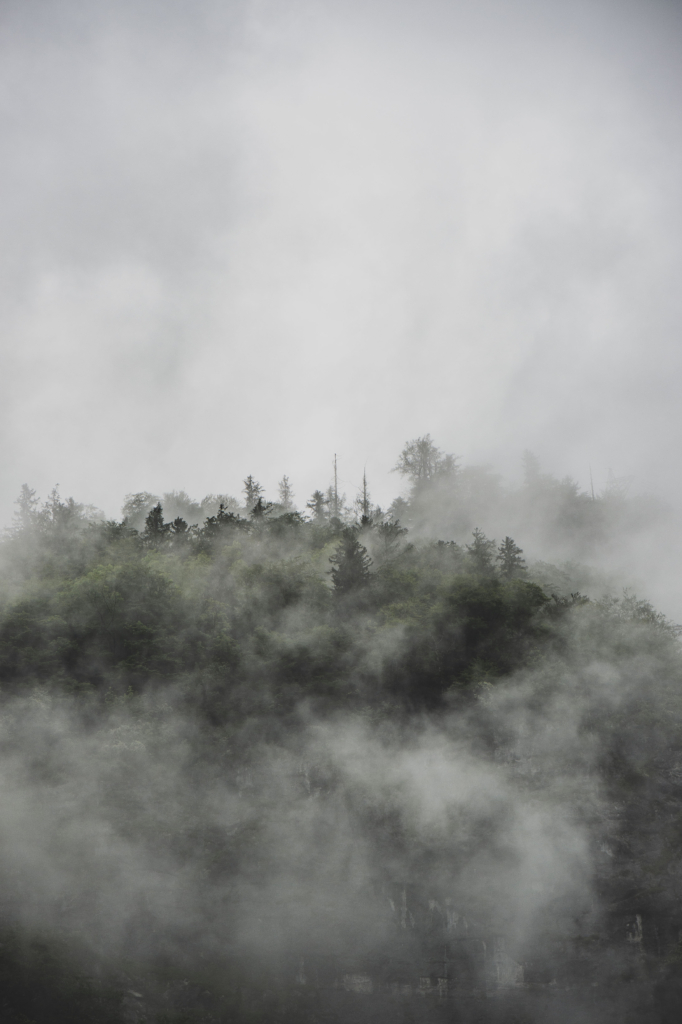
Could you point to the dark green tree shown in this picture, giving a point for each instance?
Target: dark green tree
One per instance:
(155, 530)
(180, 532)
(318, 506)
(224, 519)
(350, 569)
(511, 565)
(480, 554)
(261, 510)
(252, 491)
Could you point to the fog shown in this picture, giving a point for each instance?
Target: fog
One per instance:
(258, 765)
(242, 237)
(238, 784)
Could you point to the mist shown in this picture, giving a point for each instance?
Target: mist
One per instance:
(242, 237)
(326, 766)
(339, 666)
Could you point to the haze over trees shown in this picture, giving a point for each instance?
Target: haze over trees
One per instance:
(268, 764)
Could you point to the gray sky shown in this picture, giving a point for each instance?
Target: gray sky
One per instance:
(240, 237)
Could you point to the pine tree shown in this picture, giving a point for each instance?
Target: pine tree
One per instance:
(511, 565)
(286, 495)
(480, 554)
(155, 530)
(253, 491)
(223, 520)
(318, 506)
(179, 531)
(261, 510)
(350, 564)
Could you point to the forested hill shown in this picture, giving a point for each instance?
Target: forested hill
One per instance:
(263, 764)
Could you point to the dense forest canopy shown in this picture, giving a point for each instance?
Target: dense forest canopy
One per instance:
(319, 761)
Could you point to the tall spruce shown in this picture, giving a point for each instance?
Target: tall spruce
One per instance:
(480, 554)
(286, 495)
(318, 506)
(351, 564)
(511, 565)
(252, 491)
(155, 530)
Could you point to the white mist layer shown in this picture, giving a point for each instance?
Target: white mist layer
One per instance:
(121, 833)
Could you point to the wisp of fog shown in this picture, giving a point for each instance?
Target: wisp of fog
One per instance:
(394, 736)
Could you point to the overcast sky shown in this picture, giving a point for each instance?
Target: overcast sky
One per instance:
(238, 237)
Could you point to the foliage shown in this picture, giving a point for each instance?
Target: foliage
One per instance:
(511, 564)
(286, 494)
(420, 461)
(155, 531)
(123, 607)
(480, 554)
(202, 651)
(252, 492)
(318, 506)
(351, 564)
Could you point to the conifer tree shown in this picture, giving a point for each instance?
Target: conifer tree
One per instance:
(179, 530)
(252, 490)
(155, 530)
(318, 506)
(224, 519)
(286, 495)
(350, 564)
(480, 554)
(260, 510)
(511, 564)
